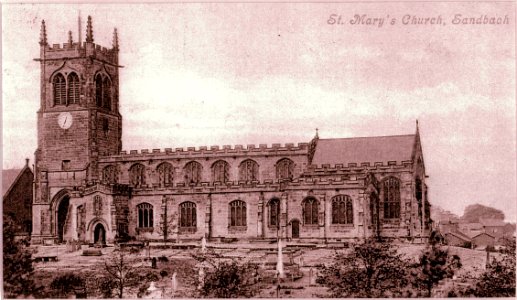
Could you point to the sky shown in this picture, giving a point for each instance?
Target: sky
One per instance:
(202, 74)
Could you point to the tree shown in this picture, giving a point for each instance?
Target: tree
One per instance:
(473, 213)
(122, 273)
(371, 269)
(435, 265)
(18, 269)
(68, 284)
(499, 278)
(227, 278)
(168, 223)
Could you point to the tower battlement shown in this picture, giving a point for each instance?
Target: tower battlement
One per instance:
(80, 49)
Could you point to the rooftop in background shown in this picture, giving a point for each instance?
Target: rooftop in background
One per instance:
(492, 222)
(8, 178)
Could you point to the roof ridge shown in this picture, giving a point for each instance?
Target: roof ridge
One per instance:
(368, 137)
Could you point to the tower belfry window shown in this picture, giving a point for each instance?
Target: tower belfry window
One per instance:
(59, 89)
(98, 90)
(106, 91)
(73, 89)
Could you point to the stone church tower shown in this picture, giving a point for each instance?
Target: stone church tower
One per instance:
(78, 120)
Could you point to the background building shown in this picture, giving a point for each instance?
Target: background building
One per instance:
(17, 197)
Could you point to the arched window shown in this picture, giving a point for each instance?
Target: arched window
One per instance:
(137, 175)
(237, 213)
(342, 210)
(97, 205)
(187, 214)
(193, 172)
(106, 93)
(274, 212)
(391, 198)
(98, 90)
(73, 88)
(418, 195)
(284, 169)
(145, 215)
(220, 171)
(248, 170)
(59, 90)
(310, 211)
(165, 174)
(109, 174)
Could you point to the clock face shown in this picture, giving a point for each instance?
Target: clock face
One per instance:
(65, 120)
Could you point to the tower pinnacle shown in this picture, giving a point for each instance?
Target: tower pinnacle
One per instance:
(115, 39)
(43, 34)
(89, 30)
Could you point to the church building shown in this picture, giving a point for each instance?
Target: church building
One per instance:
(88, 189)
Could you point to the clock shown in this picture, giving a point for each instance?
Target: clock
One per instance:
(64, 120)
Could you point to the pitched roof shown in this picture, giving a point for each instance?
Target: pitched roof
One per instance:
(8, 178)
(364, 149)
(459, 235)
(482, 234)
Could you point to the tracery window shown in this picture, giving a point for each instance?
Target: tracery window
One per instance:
(145, 215)
(237, 213)
(310, 211)
(73, 88)
(284, 169)
(165, 174)
(59, 90)
(109, 174)
(193, 172)
(391, 198)
(137, 175)
(248, 170)
(187, 214)
(274, 212)
(220, 171)
(342, 210)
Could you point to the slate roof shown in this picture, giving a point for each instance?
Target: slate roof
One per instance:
(8, 178)
(459, 235)
(364, 149)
